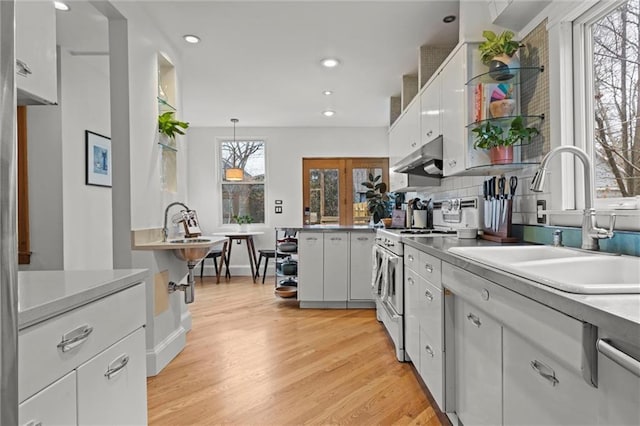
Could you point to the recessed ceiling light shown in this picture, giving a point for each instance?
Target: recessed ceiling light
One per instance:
(330, 62)
(328, 113)
(190, 38)
(327, 92)
(61, 6)
(448, 19)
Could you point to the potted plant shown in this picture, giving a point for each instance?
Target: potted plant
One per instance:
(499, 141)
(378, 200)
(243, 221)
(169, 126)
(499, 53)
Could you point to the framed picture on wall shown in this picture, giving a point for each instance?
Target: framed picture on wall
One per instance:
(98, 159)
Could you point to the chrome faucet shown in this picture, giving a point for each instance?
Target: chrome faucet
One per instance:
(165, 230)
(590, 231)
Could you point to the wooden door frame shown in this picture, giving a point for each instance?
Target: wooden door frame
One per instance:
(24, 248)
(345, 165)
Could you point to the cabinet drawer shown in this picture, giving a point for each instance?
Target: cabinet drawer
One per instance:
(42, 357)
(54, 405)
(432, 368)
(411, 258)
(108, 377)
(427, 266)
(430, 312)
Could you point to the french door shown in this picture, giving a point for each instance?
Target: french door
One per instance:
(332, 189)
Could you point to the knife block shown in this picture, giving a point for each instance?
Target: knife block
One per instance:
(503, 233)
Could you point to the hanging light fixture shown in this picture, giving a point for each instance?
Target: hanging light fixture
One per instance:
(234, 173)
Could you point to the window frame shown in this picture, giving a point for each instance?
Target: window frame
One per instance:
(221, 181)
(583, 111)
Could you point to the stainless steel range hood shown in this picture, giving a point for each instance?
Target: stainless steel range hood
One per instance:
(420, 157)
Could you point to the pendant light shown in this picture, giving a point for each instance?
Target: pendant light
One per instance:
(234, 173)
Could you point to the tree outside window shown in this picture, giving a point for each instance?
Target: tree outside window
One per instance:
(244, 197)
(616, 103)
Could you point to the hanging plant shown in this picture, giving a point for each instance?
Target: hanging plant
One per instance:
(168, 125)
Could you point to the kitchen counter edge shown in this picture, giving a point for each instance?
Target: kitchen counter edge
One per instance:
(328, 228)
(45, 294)
(616, 313)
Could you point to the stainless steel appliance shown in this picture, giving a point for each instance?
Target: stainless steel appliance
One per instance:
(387, 278)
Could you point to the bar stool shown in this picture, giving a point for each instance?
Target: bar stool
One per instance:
(214, 254)
(267, 254)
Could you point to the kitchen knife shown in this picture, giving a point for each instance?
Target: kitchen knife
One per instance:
(502, 204)
(487, 204)
(494, 202)
(513, 184)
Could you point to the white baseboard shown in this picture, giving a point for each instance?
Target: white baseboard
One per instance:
(165, 351)
(185, 319)
(240, 271)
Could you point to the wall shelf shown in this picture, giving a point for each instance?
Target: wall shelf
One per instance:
(168, 147)
(520, 75)
(529, 121)
(164, 106)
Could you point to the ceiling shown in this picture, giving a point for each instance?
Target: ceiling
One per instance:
(259, 61)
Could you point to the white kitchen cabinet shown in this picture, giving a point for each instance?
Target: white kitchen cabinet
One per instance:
(54, 405)
(478, 369)
(618, 384)
(411, 318)
(430, 111)
(361, 244)
(310, 266)
(454, 114)
(112, 386)
(432, 367)
(336, 266)
(540, 389)
(36, 68)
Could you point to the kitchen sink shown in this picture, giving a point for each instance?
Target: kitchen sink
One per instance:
(562, 268)
(191, 249)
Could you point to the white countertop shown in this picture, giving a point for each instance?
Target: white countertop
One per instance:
(45, 294)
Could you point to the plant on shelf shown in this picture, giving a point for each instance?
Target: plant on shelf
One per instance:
(169, 126)
(499, 141)
(499, 53)
(378, 200)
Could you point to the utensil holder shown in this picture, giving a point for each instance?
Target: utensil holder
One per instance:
(503, 233)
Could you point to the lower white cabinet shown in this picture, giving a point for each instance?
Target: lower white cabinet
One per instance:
(53, 405)
(541, 390)
(618, 384)
(478, 369)
(112, 386)
(334, 268)
(432, 367)
(411, 318)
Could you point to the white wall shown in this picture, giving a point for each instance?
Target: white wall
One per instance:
(285, 148)
(87, 209)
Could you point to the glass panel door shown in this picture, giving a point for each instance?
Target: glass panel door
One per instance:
(323, 189)
(359, 175)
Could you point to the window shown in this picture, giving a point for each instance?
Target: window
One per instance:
(606, 47)
(333, 191)
(243, 179)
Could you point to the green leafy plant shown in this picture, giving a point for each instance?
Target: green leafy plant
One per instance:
(378, 200)
(170, 126)
(240, 220)
(490, 135)
(497, 45)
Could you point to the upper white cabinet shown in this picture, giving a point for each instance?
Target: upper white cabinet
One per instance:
(515, 14)
(36, 68)
(430, 110)
(454, 113)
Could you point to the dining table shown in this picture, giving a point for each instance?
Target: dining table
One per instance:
(247, 237)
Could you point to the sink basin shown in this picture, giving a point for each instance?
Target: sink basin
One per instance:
(191, 249)
(562, 268)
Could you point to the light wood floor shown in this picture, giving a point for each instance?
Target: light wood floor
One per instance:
(253, 358)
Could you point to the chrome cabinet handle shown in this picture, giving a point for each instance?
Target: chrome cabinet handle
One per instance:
(23, 68)
(545, 371)
(75, 337)
(452, 163)
(410, 258)
(429, 268)
(410, 281)
(120, 363)
(311, 239)
(413, 144)
(429, 296)
(430, 132)
(33, 423)
(363, 239)
(428, 350)
(474, 319)
(336, 239)
(619, 357)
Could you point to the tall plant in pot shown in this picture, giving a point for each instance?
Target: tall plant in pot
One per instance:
(499, 53)
(499, 140)
(378, 200)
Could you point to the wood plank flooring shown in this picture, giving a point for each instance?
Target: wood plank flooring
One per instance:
(253, 358)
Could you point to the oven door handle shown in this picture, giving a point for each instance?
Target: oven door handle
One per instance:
(390, 310)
